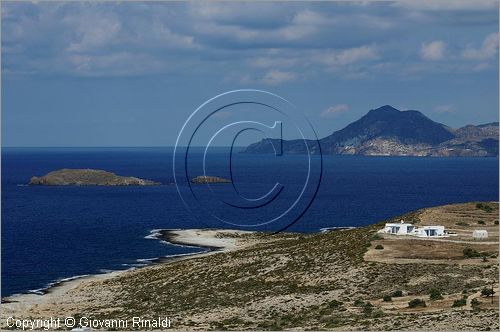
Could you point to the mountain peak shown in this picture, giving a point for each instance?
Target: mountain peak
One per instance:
(385, 109)
(389, 131)
(387, 122)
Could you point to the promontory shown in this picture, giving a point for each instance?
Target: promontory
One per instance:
(87, 177)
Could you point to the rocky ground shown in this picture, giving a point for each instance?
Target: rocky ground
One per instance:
(87, 177)
(291, 281)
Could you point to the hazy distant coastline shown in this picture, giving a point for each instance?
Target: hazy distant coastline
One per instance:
(386, 131)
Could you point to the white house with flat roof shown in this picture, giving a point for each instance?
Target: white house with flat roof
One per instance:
(400, 228)
(429, 231)
(403, 228)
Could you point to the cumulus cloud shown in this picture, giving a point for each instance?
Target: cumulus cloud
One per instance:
(275, 77)
(269, 43)
(92, 30)
(274, 61)
(433, 51)
(347, 56)
(487, 50)
(332, 111)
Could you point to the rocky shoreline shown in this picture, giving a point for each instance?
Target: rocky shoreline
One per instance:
(87, 177)
(202, 179)
(322, 281)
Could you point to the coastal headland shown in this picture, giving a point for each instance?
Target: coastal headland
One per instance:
(347, 279)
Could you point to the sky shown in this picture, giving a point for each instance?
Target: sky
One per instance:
(131, 73)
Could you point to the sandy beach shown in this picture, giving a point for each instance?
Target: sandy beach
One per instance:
(213, 240)
(334, 280)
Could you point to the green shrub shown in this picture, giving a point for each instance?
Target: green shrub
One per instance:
(462, 223)
(397, 293)
(487, 292)
(496, 222)
(460, 303)
(367, 308)
(335, 322)
(359, 303)
(475, 302)
(334, 304)
(471, 253)
(481, 222)
(379, 247)
(485, 207)
(435, 294)
(417, 303)
(387, 298)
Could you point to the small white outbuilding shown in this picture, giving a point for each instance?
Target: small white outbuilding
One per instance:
(480, 234)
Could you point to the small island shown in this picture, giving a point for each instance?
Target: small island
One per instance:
(209, 179)
(87, 177)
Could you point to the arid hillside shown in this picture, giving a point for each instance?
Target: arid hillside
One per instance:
(328, 281)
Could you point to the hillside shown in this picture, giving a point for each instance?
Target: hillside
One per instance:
(389, 132)
(323, 281)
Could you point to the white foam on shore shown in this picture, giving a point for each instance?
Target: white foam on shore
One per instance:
(336, 228)
(155, 234)
(146, 260)
(141, 262)
(43, 290)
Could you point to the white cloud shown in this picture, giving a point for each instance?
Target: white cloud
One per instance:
(488, 49)
(275, 77)
(165, 37)
(285, 41)
(445, 109)
(445, 5)
(433, 51)
(334, 110)
(347, 56)
(273, 62)
(310, 17)
(93, 31)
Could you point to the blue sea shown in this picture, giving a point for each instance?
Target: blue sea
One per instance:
(52, 233)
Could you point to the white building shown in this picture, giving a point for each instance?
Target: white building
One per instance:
(429, 231)
(480, 234)
(403, 228)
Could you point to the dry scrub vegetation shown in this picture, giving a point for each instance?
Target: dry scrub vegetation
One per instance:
(319, 282)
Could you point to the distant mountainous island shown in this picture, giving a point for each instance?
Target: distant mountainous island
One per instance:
(387, 131)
